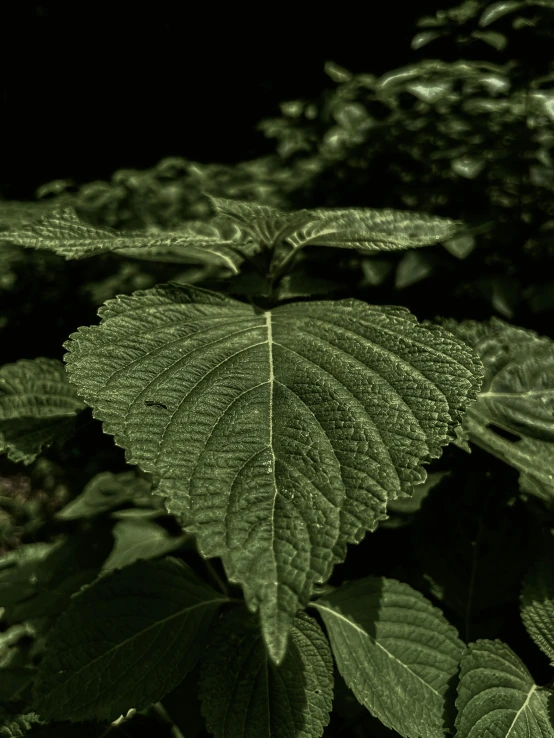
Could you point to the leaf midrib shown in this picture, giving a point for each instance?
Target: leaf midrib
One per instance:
(356, 627)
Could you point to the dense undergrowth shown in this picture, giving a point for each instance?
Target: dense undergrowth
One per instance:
(278, 443)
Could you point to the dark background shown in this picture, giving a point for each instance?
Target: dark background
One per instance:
(89, 88)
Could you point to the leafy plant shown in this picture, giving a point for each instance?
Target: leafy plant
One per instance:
(260, 495)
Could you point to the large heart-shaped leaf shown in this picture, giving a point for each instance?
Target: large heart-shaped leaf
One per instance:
(277, 436)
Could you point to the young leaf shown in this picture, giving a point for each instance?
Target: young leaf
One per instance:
(395, 651)
(37, 406)
(154, 614)
(497, 696)
(537, 602)
(244, 695)
(278, 437)
(63, 232)
(264, 223)
(352, 228)
(517, 396)
(372, 229)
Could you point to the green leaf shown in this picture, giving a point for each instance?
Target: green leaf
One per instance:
(244, 695)
(18, 572)
(352, 228)
(375, 271)
(15, 214)
(395, 651)
(517, 396)
(154, 614)
(37, 406)
(372, 229)
(412, 268)
(265, 224)
(460, 246)
(63, 232)
(497, 40)
(497, 10)
(537, 601)
(468, 166)
(336, 72)
(423, 38)
(497, 696)
(278, 437)
(107, 491)
(140, 539)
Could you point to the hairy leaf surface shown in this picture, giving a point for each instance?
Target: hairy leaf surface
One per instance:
(537, 601)
(37, 405)
(152, 614)
(396, 652)
(278, 437)
(66, 234)
(497, 696)
(244, 695)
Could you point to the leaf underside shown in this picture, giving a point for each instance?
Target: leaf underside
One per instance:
(277, 437)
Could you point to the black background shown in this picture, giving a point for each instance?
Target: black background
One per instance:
(88, 88)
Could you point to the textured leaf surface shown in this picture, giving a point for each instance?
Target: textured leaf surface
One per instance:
(244, 695)
(498, 697)
(537, 601)
(395, 651)
(37, 405)
(356, 228)
(107, 491)
(63, 232)
(517, 396)
(278, 437)
(125, 641)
